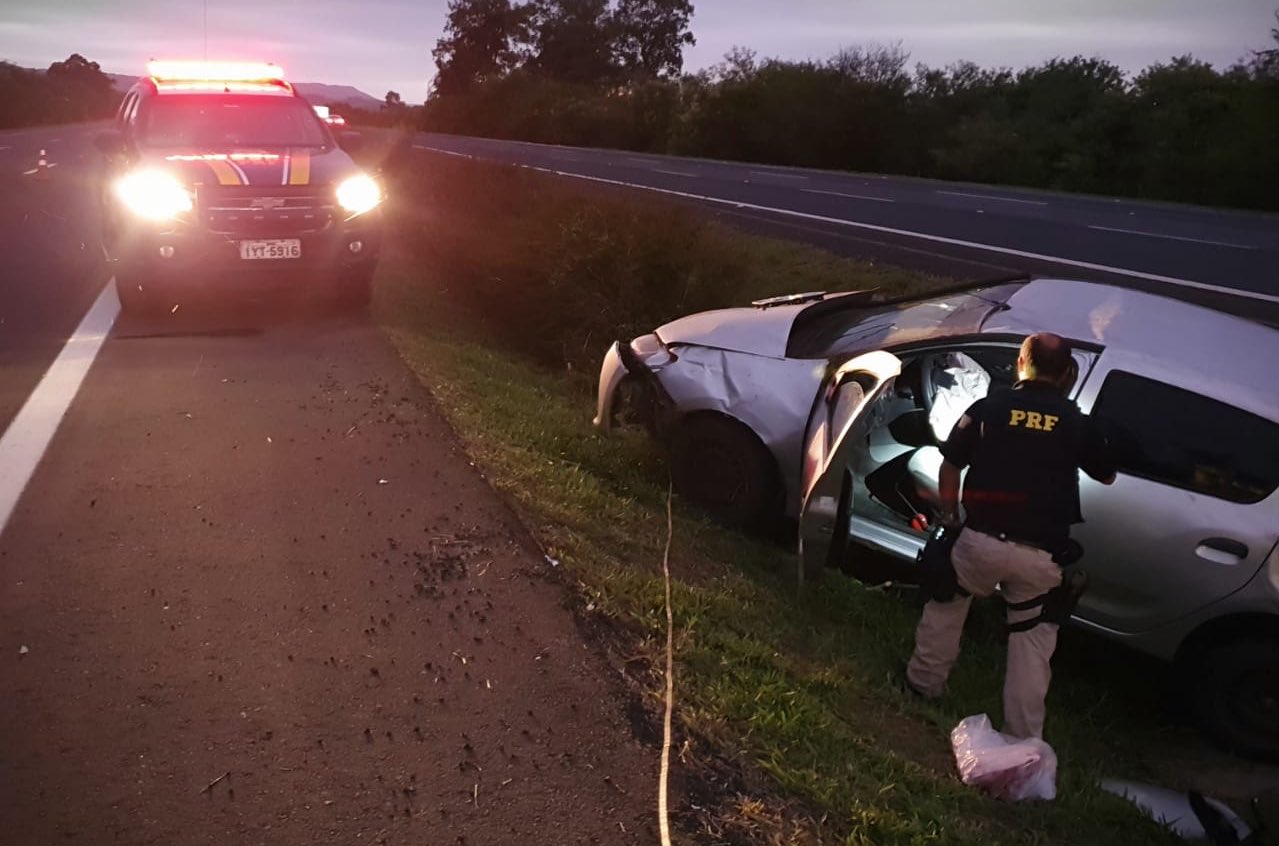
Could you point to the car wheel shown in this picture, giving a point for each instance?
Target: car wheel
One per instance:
(1234, 693)
(721, 466)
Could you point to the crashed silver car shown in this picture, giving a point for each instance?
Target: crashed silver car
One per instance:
(831, 408)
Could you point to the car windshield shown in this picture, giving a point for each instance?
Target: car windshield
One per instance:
(220, 121)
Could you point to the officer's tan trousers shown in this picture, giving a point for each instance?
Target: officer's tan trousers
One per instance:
(982, 562)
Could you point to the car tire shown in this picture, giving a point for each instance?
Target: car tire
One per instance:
(721, 466)
(1233, 692)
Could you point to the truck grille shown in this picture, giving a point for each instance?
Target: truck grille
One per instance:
(265, 212)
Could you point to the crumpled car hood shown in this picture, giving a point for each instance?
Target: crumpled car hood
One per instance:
(757, 331)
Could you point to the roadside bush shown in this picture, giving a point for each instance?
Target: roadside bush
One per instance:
(69, 91)
(560, 272)
(1181, 130)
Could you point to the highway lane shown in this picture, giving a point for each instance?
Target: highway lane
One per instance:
(1221, 257)
(255, 592)
(50, 260)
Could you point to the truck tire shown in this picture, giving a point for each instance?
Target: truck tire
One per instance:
(355, 289)
(141, 299)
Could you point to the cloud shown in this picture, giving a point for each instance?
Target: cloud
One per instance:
(381, 44)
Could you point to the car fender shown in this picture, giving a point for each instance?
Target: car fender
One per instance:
(770, 396)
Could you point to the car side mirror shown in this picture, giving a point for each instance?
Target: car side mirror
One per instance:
(352, 142)
(109, 143)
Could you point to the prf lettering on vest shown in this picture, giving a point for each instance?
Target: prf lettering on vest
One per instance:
(1032, 420)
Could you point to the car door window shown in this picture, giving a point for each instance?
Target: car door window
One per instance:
(1180, 438)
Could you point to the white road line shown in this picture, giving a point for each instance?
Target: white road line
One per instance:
(645, 162)
(28, 436)
(678, 173)
(444, 152)
(1174, 237)
(773, 175)
(937, 239)
(996, 199)
(6, 148)
(850, 196)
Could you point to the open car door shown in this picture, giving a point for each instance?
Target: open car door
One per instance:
(849, 406)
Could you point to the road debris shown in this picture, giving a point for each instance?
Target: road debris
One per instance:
(22, 650)
(383, 482)
(208, 788)
(554, 562)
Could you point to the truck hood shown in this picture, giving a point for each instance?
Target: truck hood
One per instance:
(255, 167)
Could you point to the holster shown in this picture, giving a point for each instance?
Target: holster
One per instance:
(1056, 605)
(937, 579)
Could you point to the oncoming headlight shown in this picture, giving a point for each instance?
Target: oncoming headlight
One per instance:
(358, 194)
(153, 195)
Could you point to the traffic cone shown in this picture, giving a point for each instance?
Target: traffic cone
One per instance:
(42, 167)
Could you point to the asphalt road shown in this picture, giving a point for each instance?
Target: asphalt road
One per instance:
(255, 593)
(1218, 257)
(50, 261)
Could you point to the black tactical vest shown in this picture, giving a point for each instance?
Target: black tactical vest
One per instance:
(1023, 480)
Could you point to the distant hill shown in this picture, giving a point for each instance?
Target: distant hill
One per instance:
(319, 92)
(316, 92)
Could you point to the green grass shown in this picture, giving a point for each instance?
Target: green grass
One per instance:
(795, 694)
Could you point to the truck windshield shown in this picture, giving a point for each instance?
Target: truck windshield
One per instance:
(219, 122)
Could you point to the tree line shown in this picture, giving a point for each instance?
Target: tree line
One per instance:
(68, 91)
(587, 72)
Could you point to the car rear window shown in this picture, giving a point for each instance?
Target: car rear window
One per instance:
(218, 122)
(1181, 438)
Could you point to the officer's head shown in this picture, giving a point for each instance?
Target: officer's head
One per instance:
(1045, 357)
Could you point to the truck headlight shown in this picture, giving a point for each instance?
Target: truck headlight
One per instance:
(153, 195)
(359, 194)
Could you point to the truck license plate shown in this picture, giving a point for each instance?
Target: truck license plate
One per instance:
(278, 248)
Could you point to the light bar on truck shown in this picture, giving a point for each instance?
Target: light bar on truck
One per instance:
(214, 72)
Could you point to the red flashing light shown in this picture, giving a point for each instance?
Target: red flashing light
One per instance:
(233, 87)
(209, 72)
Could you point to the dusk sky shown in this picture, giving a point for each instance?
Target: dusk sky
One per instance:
(378, 45)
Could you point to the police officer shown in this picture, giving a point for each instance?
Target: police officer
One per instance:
(1023, 448)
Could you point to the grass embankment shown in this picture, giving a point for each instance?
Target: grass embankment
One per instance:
(502, 291)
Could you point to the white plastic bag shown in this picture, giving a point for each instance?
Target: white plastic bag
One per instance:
(1006, 767)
